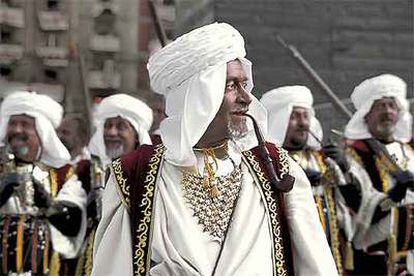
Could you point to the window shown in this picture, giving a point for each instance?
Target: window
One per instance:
(52, 5)
(51, 75)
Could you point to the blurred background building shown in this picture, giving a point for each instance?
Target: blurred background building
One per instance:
(66, 47)
(42, 44)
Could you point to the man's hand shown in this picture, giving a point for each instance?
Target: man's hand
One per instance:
(404, 180)
(336, 153)
(313, 176)
(7, 184)
(42, 197)
(66, 217)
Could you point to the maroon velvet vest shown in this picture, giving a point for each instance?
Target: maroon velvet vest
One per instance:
(136, 174)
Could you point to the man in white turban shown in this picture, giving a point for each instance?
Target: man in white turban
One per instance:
(42, 203)
(292, 124)
(381, 126)
(122, 124)
(202, 203)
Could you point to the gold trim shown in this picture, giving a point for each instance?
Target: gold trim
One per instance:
(354, 155)
(383, 173)
(284, 162)
(53, 183)
(122, 186)
(279, 262)
(89, 254)
(332, 217)
(146, 208)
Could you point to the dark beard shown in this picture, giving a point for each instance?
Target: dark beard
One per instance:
(296, 144)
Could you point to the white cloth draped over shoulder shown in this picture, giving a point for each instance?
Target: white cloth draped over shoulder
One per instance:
(135, 111)
(279, 103)
(180, 247)
(364, 96)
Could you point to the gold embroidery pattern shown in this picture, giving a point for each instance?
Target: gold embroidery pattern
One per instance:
(354, 155)
(284, 162)
(333, 220)
(89, 253)
(383, 172)
(144, 225)
(122, 181)
(70, 173)
(279, 261)
(53, 183)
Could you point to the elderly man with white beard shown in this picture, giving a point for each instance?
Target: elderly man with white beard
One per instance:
(122, 125)
(204, 202)
(42, 204)
(381, 127)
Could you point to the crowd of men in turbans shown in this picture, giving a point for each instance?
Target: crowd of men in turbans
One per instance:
(200, 193)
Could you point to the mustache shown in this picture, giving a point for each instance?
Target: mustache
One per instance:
(20, 137)
(240, 111)
(302, 128)
(111, 140)
(386, 118)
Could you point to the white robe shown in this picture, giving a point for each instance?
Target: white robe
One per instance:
(180, 247)
(368, 234)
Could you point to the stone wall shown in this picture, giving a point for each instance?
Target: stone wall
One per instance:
(344, 41)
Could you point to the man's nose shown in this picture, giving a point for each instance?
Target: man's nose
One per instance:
(303, 122)
(17, 128)
(388, 109)
(111, 131)
(244, 96)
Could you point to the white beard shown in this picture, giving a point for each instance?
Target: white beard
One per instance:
(238, 131)
(115, 152)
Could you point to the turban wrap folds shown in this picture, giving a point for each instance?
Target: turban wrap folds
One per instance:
(280, 102)
(136, 112)
(364, 96)
(47, 114)
(191, 73)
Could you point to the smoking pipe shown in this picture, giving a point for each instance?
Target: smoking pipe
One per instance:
(286, 183)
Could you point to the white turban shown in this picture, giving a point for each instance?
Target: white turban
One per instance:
(47, 114)
(367, 93)
(127, 107)
(191, 73)
(279, 103)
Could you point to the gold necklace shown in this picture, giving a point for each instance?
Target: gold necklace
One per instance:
(220, 151)
(212, 212)
(209, 175)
